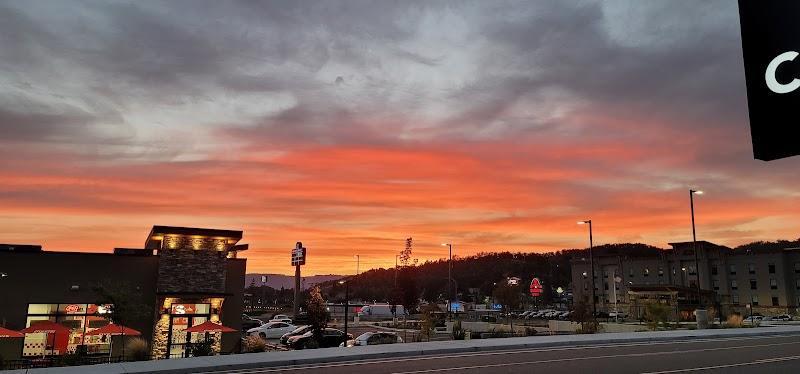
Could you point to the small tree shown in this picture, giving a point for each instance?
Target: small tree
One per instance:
(429, 320)
(407, 284)
(655, 314)
(582, 314)
(317, 313)
(508, 295)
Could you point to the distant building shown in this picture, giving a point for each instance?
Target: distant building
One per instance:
(180, 278)
(769, 280)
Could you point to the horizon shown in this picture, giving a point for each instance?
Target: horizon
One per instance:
(352, 126)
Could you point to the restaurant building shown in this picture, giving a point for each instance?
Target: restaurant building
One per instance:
(180, 278)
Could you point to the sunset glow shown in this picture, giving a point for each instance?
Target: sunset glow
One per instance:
(488, 128)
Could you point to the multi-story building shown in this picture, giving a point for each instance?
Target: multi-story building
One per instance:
(625, 277)
(180, 278)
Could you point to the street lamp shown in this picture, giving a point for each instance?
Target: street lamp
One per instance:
(449, 279)
(346, 304)
(694, 247)
(358, 263)
(591, 263)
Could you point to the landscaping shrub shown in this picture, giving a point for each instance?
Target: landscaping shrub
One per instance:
(137, 349)
(253, 344)
(734, 321)
(458, 332)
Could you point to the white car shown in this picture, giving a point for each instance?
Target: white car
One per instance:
(279, 317)
(782, 317)
(271, 330)
(373, 338)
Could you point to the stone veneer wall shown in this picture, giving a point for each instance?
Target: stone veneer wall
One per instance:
(191, 271)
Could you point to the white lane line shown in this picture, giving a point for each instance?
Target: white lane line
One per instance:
(756, 362)
(585, 358)
(490, 353)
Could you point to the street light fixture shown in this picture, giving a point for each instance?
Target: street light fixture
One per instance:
(591, 263)
(694, 247)
(449, 280)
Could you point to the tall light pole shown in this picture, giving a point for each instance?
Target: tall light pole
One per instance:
(346, 304)
(395, 270)
(694, 247)
(591, 263)
(449, 280)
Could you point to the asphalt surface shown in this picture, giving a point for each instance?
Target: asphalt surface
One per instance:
(721, 355)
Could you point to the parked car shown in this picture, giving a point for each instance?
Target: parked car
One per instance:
(617, 315)
(330, 338)
(298, 331)
(250, 323)
(525, 314)
(271, 330)
(565, 315)
(373, 338)
(284, 320)
(279, 316)
(301, 318)
(490, 319)
(782, 317)
(754, 318)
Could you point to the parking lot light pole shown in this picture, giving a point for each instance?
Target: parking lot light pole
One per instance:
(449, 280)
(694, 247)
(591, 264)
(346, 304)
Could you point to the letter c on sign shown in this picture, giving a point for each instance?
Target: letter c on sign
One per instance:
(772, 82)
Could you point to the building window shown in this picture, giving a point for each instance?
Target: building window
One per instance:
(660, 271)
(734, 285)
(775, 301)
(753, 284)
(631, 273)
(735, 299)
(692, 270)
(605, 286)
(716, 284)
(771, 268)
(586, 286)
(751, 268)
(714, 269)
(646, 272)
(754, 300)
(773, 284)
(797, 283)
(797, 302)
(797, 267)
(77, 318)
(733, 269)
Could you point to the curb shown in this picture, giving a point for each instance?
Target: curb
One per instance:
(237, 362)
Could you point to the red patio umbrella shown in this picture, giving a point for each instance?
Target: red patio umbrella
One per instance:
(210, 327)
(6, 333)
(112, 329)
(46, 327)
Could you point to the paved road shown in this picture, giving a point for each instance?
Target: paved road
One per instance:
(740, 355)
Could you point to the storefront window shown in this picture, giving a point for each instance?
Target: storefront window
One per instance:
(77, 318)
(183, 316)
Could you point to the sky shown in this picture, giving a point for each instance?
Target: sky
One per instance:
(352, 125)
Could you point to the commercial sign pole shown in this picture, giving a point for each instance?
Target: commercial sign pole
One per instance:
(771, 46)
(298, 259)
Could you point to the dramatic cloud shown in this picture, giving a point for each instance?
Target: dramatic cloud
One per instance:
(351, 125)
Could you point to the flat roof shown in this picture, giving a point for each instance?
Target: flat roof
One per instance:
(158, 232)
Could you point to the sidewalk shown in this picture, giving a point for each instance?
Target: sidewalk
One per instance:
(274, 359)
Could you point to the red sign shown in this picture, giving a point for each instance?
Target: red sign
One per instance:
(183, 308)
(536, 287)
(72, 309)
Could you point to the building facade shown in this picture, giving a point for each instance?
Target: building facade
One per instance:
(729, 281)
(180, 278)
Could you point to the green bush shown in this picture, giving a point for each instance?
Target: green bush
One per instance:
(655, 314)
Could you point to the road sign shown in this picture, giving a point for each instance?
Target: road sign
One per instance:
(299, 255)
(771, 46)
(536, 288)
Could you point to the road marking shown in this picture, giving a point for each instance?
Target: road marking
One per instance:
(490, 353)
(756, 362)
(585, 358)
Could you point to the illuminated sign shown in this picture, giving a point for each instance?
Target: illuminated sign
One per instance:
(536, 288)
(771, 46)
(298, 255)
(73, 308)
(183, 309)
